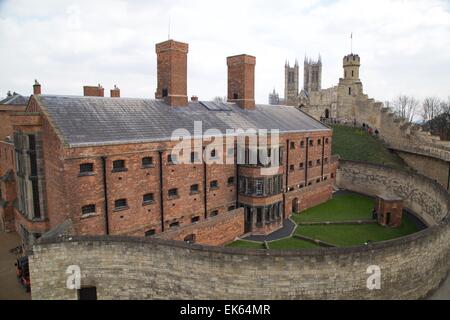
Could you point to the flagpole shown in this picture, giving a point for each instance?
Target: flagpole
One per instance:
(351, 43)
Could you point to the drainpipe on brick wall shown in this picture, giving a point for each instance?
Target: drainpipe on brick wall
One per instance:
(237, 183)
(287, 165)
(161, 191)
(306, 162)
(323, 155)
(205, 196)
(105, 195)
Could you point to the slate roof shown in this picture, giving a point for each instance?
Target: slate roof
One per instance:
(15, 99)
(85, 121)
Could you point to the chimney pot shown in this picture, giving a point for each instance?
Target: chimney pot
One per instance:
(36, 87)
(194, 98)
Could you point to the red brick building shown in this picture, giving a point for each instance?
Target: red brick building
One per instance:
(106, 163)
(14, 102)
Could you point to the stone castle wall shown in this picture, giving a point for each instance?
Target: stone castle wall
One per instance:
(150, 268)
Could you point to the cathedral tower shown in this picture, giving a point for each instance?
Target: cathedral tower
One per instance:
(312, 76)
(290, 83)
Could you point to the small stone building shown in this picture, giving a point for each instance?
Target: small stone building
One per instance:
(389, 210)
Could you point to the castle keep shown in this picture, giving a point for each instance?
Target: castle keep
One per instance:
(104, 165)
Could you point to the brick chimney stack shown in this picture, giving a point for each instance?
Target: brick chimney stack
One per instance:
(115, 93)
(241, 80)
(36, 87)
(94, 91)
(172, 72)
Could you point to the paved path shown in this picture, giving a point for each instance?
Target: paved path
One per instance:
(286, 231)
(10, 288)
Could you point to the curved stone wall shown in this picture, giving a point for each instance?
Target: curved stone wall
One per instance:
(137, 268)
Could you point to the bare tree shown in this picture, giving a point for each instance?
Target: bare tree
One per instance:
(405, 107)
(431, 108)
(444, 107)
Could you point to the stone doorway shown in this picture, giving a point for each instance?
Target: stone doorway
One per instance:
(295, 205)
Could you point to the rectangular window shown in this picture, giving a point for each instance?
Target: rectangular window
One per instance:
(148, 198)
(291, 167)
(173, 192)
(171, 159)
(119, 165)
(86, 168)
(214, 184)
(230, 181)
(231, 208)
(302, 144)
(195, 219)
(301, 165)
(319, 142)
(318, 162)
(230, 152)
(120, 203)
(214, 213)
(292, 145)
(259, 187)
(89, 209)
(150, 233)
(174, 224)
(194, 188)
(309, 163)
(147, 162)
(311, 143)
(36, 201)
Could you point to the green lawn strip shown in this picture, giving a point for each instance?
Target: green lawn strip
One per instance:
(352, 235)
(355, 144)
(340, 208)
(292, 243)
(246, 244)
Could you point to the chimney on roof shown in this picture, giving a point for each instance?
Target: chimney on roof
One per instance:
(9, 94)
(241, 80)
(36, 87)
(194, 98)
(115, 93)
(94, 91)
(172, 72)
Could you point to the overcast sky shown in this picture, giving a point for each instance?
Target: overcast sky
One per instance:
(404, 45)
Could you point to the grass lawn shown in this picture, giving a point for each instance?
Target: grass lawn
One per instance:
(292, 243)
(352, 235)
(355, 144)
(246, 245)
(341, 207)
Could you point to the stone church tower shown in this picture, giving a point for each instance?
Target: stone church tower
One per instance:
(291, 83)
(312, 75)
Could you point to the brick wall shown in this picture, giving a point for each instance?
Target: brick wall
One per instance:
(215, 231)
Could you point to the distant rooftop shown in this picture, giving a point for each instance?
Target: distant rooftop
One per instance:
(15, 99)
(86, 121)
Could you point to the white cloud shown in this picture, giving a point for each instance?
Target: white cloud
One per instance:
(404, 45)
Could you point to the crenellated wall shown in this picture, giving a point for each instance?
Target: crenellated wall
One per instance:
(150, 268)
